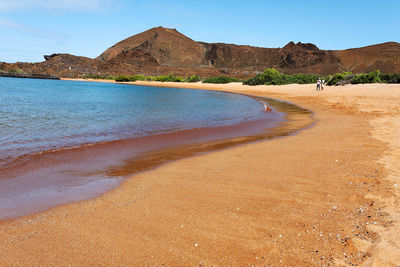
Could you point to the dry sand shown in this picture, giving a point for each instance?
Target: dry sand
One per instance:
(326, 196)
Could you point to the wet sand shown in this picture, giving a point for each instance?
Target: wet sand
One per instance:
(36, 182)
(327, 195)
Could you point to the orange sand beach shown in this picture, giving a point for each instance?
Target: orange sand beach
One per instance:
(328, 195)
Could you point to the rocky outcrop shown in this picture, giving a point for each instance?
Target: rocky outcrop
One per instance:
(47, 57)
(240, 56)
(303, 55)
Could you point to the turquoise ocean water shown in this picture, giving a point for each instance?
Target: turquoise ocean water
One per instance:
(66, 141)
(40, 115)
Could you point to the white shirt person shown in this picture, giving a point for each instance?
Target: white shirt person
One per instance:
(318, 85)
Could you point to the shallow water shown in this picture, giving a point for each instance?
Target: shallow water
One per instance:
(63, 141)
(40, 115)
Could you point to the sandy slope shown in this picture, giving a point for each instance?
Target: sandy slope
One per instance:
(328, 195)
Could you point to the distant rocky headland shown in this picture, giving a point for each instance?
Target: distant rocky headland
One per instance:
(161, 51)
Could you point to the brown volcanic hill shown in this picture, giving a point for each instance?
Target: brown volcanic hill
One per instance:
(64, 65)
(222, 55)
(385, 57)
(135, 57)
(166, 46)
(290, 57)
(161, 51)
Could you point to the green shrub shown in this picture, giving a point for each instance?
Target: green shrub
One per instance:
(340, 77)
(168, 78)
(122, 78)
(17, 71)
(269, 76)
(137, 78)
(372, 77)
(301, 78)
(220, 79)
(390, 78)
(257, 80)
(125, 78)
(272, 77)
(193, 79)
(98, 76)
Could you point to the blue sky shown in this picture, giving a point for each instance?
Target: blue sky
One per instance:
(31, 28)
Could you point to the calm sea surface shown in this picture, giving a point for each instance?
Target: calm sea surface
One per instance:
(64, 141)
(41, 115)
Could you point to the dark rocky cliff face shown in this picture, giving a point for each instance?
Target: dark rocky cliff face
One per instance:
(302, 55)
(235, 56)
(160, 51)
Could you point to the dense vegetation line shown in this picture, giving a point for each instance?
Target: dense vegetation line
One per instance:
(269, 77)
(272, 77)
(134, 78)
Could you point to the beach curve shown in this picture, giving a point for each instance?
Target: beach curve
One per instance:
(300, 199)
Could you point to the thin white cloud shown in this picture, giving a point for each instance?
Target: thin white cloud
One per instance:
(69, 5)
(5, 23)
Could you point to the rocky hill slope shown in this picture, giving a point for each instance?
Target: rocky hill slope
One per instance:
(161, 51)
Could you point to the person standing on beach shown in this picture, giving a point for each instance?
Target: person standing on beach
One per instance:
(318, 84)
(322, 84)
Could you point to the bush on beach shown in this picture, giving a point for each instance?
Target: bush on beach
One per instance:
(193, 79)
(340, 77)
(272, 77)
(126, 78)
(122, 78)
(299, 78)
(135, 78)
(390, 78)
(221, 79)
(372, 77)
(362, 78)
(97, 77)
(269, 77)
(168, 78)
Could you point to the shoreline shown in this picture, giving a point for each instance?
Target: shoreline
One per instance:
(323, 196)
(48, 175)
